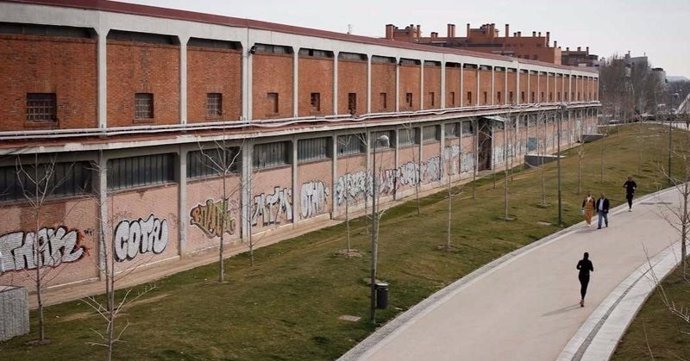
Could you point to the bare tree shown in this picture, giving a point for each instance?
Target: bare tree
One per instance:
(345, 143)
(448, 245)
(679, 218)
(38, 181)
(580, 150)
(411, 138)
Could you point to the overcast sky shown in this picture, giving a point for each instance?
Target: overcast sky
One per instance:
(657, 28)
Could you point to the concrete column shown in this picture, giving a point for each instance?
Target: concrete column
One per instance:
(443, 84)
(334, 173)
(397, 157)
(397, 86)
(183, 218)
(538, 94)
(295, 182)
(442, 154)
(369, 84)
(517, 83)
(103, 77)
(529, 88)
(247, 78)
(462, 85)
(183, 78)
(104, 228)
(295, 83)
(247, 150)
(493, 85)
(335, 83)
(505, 88)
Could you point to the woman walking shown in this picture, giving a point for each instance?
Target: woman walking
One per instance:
(585, 266)
(588, 208)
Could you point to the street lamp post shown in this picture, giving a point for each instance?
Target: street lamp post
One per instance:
(374, 228)
(558, 164)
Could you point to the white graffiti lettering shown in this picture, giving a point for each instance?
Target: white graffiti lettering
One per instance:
(270, 208)
(314, 196)
(53, 246)
(140, 236)
(352, 185)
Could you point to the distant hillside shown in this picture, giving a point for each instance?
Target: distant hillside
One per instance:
(672, 78)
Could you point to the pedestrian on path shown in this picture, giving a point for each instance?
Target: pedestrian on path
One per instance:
(630, 187)
(588, 208)
(585, 266)
(602, 207)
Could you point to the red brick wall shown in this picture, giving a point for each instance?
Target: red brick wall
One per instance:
(484, 87)
(143, 68)
(315, 76)
(499, 87)
(512, 87)
(271, 74)
(453, 86)
(469, 85)
(213, 71)
(523, 88)
(352, 78)
(382, 81)
(543, 95)
(409, 83)
(558, 92)
(39, 64)
(533, 84)
(432, 84)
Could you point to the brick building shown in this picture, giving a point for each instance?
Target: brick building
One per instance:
(164, 129)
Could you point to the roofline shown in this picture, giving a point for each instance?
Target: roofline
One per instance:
(184, 15)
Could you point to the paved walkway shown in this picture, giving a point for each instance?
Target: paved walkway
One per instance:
(525, 306)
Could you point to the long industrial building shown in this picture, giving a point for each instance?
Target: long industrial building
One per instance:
(158, 131)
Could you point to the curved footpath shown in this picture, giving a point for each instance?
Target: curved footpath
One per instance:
(525, 305)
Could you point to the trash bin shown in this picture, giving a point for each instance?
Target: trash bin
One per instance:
(381, 295)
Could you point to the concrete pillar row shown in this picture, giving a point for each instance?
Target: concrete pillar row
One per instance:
(103, 77)
(183, 77)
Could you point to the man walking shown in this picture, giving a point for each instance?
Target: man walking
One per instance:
(603, 210)
(630, 187)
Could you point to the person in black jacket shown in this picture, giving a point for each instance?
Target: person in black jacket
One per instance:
(585, 266)
(602, 207)
(630, 187)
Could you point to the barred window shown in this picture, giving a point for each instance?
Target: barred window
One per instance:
(467, 128)
(140, 171)
(408, 99)
(431, 133)
(48, 179)
(452, 130)
(143, 106)
(351, 144)
(352, 103)
(384, 100)
(313, 149)
(272, 101)
(378, 143)
(214, 104)
(315, 101)
(408, 136)
(213, 162)
(271, 155)
(41, 107)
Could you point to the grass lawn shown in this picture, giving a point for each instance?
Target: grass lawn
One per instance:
(287, 306)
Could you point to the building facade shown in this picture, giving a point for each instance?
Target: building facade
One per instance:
(151, 133)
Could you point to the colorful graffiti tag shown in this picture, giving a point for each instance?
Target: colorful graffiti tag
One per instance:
(270, 208)
(48, 247)
(314, 197)
(213, 218)
(140, 236)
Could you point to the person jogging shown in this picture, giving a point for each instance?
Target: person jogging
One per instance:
(585, 266)
(630, 187)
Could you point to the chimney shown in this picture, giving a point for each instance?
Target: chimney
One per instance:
(451, 30)
(567, 48)
(539, 34)
(390, 30)
(519, 34)
(419, 31)
(507, 30)
(548, 37)
(555, 44)
(534, 34)
(587, 48)
(468, 30)
(579, 48)
(434, 35)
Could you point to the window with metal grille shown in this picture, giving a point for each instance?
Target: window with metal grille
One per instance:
(214, 104)
(352, 103)
(41, 107)
(351, 144)
(213, 162)
(431, 133)
(146, 170)
(384, 100)
(315, 102)
(467, 128)
(452, 98)
(378, 143)
(486, 97)
(469, 98)
(143, 106)
(272, 100)
(408, 136)
(51, 180)
(271, 155)
(522, 97)
(309, 150)
(498, 97)
(510, 96)
(432, 98)
(452, 130)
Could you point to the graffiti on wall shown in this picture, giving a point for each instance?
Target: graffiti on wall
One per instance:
(314, 197)
(270, 208)
(452, 155)
(213, 218)
(54, 245)
(140, 236)
(351, 186)
(467, 163)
